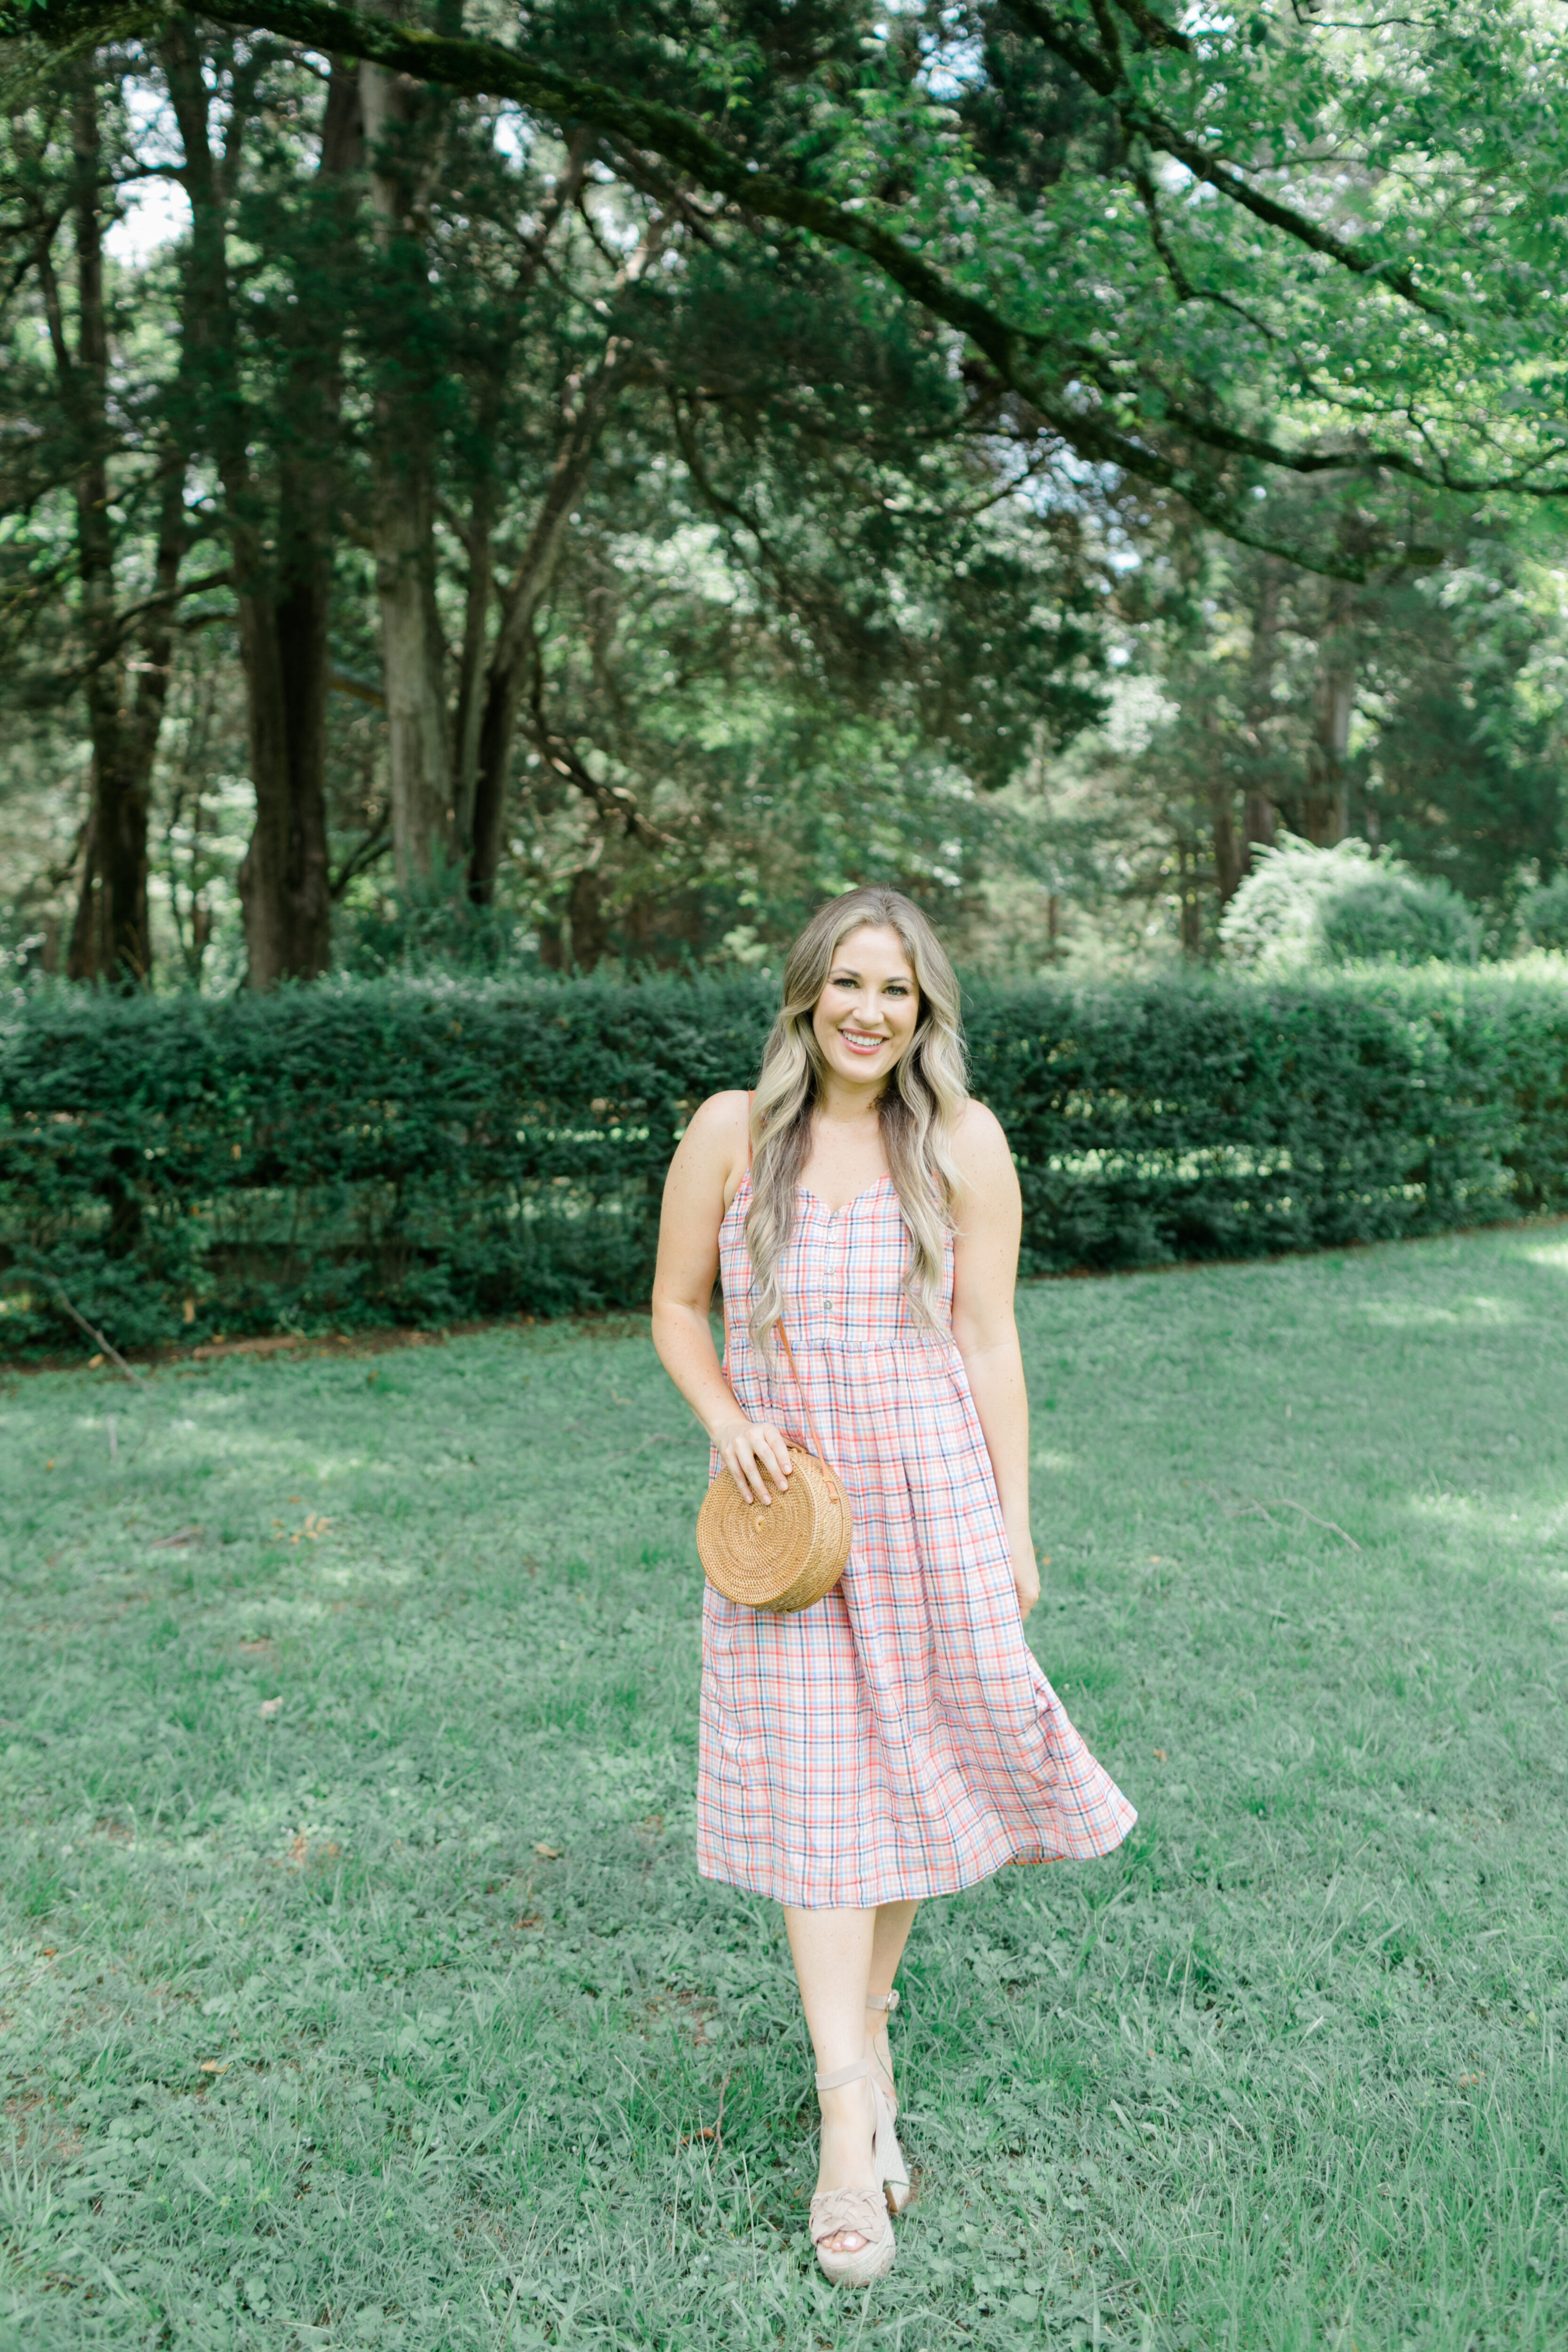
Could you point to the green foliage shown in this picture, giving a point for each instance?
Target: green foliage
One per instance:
(1300, 905)
(418, 1150)
(433, 927)
(1278, 2076)
(1183, 1119)
(1544, 917)
(1386, 915)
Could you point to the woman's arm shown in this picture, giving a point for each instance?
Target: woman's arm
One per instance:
(707, 1166)
(984, 1270)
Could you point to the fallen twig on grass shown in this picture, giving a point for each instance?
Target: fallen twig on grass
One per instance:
(1333, 1528)
(37, 1273)
(1251, 1503)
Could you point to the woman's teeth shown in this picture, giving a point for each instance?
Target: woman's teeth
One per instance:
(860, 1043)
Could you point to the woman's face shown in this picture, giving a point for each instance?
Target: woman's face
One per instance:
(867, 1015)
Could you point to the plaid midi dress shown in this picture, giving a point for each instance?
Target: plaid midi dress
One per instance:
(898, 1739)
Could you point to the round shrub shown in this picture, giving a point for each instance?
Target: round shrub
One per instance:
(1272, 922)
(1302, 906)
(1544, 917)
(1386, 915)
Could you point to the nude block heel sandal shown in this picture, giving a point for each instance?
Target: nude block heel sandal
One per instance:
(863, 2210)
(896, 2182)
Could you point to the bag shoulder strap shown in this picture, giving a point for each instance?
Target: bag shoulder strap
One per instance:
(816, 1444)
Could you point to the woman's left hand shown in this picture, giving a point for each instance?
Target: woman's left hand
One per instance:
(1025, 1577)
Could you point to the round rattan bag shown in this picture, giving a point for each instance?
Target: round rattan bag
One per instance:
(782, 1555)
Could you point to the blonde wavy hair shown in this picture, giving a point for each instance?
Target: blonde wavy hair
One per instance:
(920, 1106)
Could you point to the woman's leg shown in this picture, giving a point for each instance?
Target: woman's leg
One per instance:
(888, 1936)
(831, 1954)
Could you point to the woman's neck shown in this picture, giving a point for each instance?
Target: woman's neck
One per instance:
(841, 1103)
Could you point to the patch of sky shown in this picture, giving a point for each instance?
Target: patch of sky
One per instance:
(154, 209)
(692, 556)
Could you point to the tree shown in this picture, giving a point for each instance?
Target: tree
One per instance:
(1233, 256)
(797, 292)
(278, 527)
(115, 456)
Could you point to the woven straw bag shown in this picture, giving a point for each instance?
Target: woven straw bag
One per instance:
(786, 1554)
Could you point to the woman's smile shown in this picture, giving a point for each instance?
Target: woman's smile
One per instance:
(869, 1007)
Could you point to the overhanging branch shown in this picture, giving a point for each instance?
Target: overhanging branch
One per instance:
(1021, 358)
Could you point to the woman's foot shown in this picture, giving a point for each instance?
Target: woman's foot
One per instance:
(850, 2225)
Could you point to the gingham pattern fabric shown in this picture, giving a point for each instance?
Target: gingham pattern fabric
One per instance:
(898, 1739)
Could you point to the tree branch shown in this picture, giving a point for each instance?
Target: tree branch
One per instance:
(1155, 29)
(1103, 73)
(610, 800)
(364, 855)
(875, 233)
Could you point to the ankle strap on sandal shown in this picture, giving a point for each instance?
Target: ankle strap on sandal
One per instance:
(890, 2001)
(844, 2075)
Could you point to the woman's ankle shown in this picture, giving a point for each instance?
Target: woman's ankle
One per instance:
(847, 2129)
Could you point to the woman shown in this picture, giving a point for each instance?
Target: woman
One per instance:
(897, 1740)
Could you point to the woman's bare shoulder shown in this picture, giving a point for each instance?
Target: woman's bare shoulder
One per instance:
(716, 1136)
(723, 1117)
(980, 1144)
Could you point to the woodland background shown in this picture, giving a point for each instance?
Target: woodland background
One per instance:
(494, 493)
(442, 526)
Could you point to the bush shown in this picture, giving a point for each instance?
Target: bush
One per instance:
(1386, 916)
(431, 930)
(1544, 915)
(405, 1150)
(1302, 906)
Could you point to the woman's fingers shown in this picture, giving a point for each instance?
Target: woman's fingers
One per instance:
(754, 1452)
(777, 1452)
(739, 1464)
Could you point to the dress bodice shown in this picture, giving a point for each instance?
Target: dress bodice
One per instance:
(842, 1277)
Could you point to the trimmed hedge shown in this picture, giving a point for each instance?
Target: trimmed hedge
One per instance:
(395, 1151)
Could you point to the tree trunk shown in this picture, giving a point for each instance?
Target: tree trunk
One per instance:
(157, 633)
(1259, 817)
(401, 138)
(1325, 802)
(1192, 908)
(508, 673)
(586, 913)
(282, 604)
(480, 537)
(1226, 845)
(112, 937)
(1260, 823)
(81, 956)
(471, 666)
(580, 935)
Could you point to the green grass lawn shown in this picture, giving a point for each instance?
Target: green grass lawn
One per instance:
(358, 1989)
